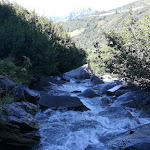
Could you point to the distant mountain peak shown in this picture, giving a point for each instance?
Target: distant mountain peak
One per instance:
(77, 13)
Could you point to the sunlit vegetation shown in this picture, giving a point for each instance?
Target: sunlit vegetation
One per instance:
(131, 57)
(128, 56)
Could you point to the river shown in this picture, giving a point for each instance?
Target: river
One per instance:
(89, 130)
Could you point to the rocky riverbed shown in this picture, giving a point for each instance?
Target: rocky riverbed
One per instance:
(77, 111)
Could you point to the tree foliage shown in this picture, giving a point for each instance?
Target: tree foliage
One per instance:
(131, 45)
(39, 46)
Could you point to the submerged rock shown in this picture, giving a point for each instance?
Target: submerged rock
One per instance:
(104, 101)
(115, 112)
(135, 139)
(115, 89)
(96, 80)
(62, 102)
(135, 99)
(89, 93)
(83, 72)
(102, 88)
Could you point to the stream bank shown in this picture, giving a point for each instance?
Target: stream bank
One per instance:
(115, 117)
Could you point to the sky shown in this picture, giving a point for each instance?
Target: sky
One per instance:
(63, 7)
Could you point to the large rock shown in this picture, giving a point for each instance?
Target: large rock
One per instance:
(62, 102)
(135, 139)
(104, 101)
(137, 99)
(53, 80)
(6, 84)
(113, 90)
(102, 88)
(20, 113)
(83, 72)
(116, 112)
(11, 137)
(96, 80)
(22, 93)
(38, 83)
(17, 123)
(89, 93)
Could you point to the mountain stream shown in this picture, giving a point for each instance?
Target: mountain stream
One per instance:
(88, 130)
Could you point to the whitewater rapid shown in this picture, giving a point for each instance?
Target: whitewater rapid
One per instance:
(89, 130)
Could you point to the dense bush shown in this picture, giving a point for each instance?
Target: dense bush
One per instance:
(132, 50)
(13, 72)
(34, 43)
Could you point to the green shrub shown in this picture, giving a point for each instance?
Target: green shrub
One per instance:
(35, 44)
(132, 50)
(13, 72)
(6, 100)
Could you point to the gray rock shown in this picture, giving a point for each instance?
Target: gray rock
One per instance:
(62, 102)
(17, 124)
(20, 113)
(89, 93)
(12, 137)
(104, 101)
(6, 84)
(22, 93)
(136, 99)
(135, 139)
(102, 88)
(116, 88)
(39, 83)
(121, 92)
(55, 80)
(96, 80)
(83, 72)
(115, 112)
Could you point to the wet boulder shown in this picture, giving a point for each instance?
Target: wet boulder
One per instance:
(96, 80)
(89, 93)
(113, 90)
(134, 139)
(12, 137)
(55, 80)
(20, 113)
(102, 88)
(17, 124)
(136, 99)
(104, 101)
(115, 112)
(6, 84)
(119, 117)
(121, 92)
(61, 102)
(38, 83)
(83, 72)
(23, 93)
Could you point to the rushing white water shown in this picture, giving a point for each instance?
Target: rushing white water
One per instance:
(75, 130)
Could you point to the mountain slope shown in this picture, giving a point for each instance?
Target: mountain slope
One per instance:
(92, 26)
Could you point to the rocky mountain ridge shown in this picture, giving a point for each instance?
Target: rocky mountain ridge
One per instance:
(74, 14)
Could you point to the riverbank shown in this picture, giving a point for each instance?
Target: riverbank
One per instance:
(76, 111)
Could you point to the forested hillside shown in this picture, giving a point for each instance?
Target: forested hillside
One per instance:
(90, 28)
(31, 45)
(88, 32)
